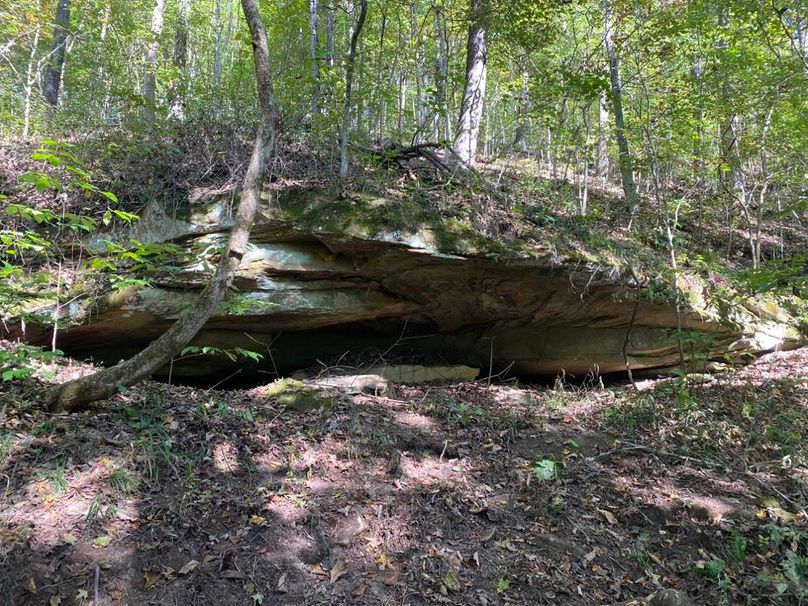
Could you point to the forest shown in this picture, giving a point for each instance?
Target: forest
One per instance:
(404, 302)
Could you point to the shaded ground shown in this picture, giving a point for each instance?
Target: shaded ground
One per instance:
(467, 494)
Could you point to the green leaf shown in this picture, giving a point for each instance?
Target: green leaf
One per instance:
(546, 470)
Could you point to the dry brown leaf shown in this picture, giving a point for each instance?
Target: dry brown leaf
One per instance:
(610, 517)
(55, 600)
(360, 591)
(189, 567)
(337, 571)
(391, 578)
(151, 578)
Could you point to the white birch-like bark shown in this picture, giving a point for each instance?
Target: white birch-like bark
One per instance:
(471, 109)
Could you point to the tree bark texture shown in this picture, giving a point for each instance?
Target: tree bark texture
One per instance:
(78, 393)
(624, 157)
(314, 40)
(349, 76)
(150, 77)
(471, 110)
(52, 78)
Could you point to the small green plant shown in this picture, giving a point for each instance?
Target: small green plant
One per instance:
(43, 428)
(58, 481)
(547, 470)
(737, 547)
(556, 504)
(6, 444)
(22, 361)
(710, 569)
(120, 481)
(503, 585)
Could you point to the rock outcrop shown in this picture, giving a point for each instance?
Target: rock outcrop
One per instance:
(311, 292)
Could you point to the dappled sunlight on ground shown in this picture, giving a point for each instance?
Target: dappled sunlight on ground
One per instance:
(435, 495)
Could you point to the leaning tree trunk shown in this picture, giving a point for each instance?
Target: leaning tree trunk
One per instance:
(349, 74)
(626, 171)
(80, 392)
(150, 79)
(471, 110)
(52, 78)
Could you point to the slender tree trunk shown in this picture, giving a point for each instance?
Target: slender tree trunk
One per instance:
(177, 106)
(349, 74)
(52, 78)
(314, 41)
(442, 74)
(626, 169)
(471, 110)
(330, 37)
(522, 109)
(78, 393)
(150, 78)
(380, 97)
(30, 81)
(603, 138)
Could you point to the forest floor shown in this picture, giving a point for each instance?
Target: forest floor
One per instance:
(465, 494)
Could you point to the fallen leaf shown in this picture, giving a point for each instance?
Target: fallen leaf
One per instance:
(82, 594)
(257, 520)
(69, 538)
(360, 591)
(115, 594)
(610, 517)
(281, 586)
(392, 577)
(55, 600)
(151, 578)
(102, 542)
(31, 585)
(189, 567)
(337, 571)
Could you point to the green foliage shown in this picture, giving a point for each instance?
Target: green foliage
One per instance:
(232, 354)
(22, 361)
(547, 470)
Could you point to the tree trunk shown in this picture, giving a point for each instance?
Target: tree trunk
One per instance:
(626, 170)
(177, 107)
(331, 37)
(150, 79)
(314, 41)
(30, 82)
(442, 74)
(52, 78)
(78, 393)
(603, 138)
(523, 107)
(471, 110)
(349, 73)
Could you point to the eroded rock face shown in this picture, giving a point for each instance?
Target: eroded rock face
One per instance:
(311, 294)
